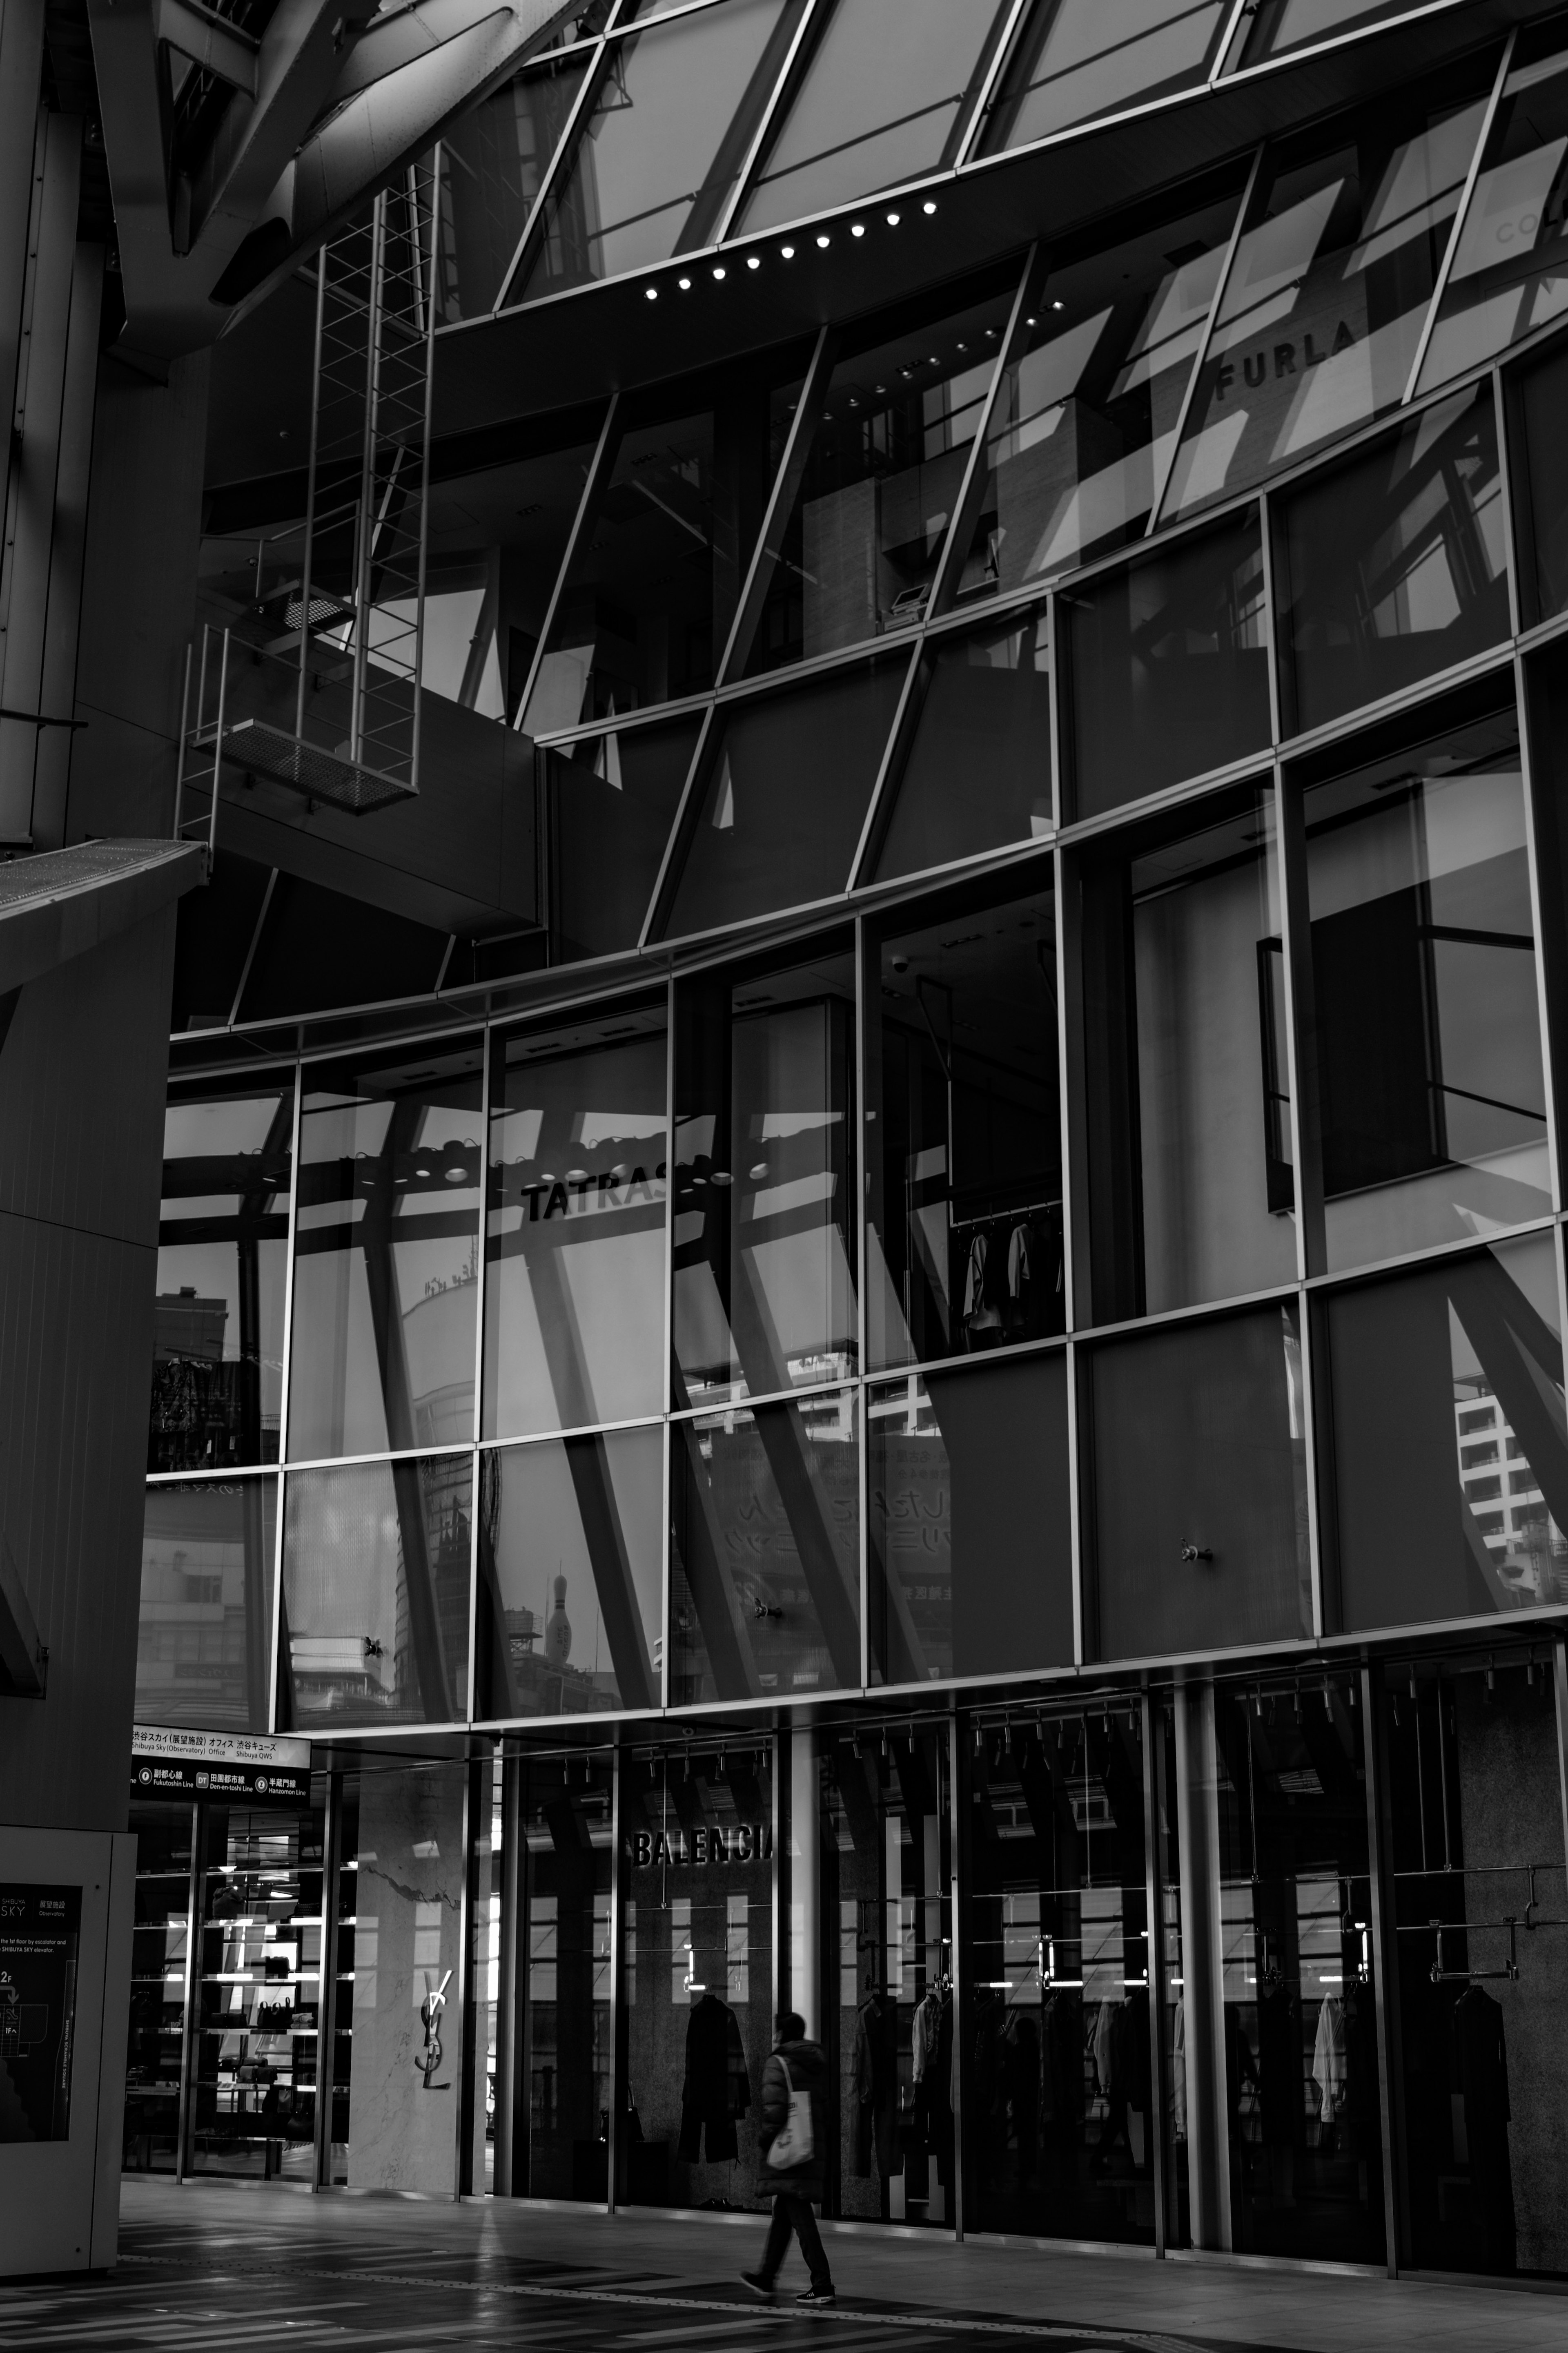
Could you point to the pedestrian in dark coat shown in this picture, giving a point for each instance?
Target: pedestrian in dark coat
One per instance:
(793, 2064)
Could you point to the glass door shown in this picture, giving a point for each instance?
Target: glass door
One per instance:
(160, 1943)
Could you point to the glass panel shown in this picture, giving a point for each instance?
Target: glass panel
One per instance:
(853, 553)
(698, 1957)
(398, 1998)
(884, 99)
(1431, 1092)
(1083, 427)
(381, 1353)
(764, 1569)
(1059, 2113)
(258, 1992)
(1509, 271)
(217, 1320)
(494, 161)
(1391, 567)
(1300, 2007)
(971, 1544)
(203, 1637)
(764, 1209)
(612, 803)
(1450, 1448)
(489, 1863)
(575, 1253)
(1191, 1187)
(789, 780)
(1476, 1804)
(986, 717)
(571, 1531)
(1318, 323)
(965, 1191)
(1199, 1487)
(1071, 63)
(1539, 455)
(567, 1858)
(664, 139)
(647, 604)
(886, 1866)
(1281, 25)
(376, 1593)
(1169, 667)
(160, 1937)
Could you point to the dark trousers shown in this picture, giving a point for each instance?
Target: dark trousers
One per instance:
(792, 2213)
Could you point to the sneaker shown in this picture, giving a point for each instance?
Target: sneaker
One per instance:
(756, 2283)
(817, 2295)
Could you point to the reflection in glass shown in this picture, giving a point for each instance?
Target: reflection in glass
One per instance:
(1084, 425)
(1190, 1186)
(965, 1200)
(788, 781)
(1451, 1450)
(376, 1593)
(1199, 1486)
(160, 1943)
(1509, 271)
(204, 1635)
(1323, 308)
(1431, 1103)
(885, 98)
(853, 551)
(1071, 63)
(697, 1833)
(1059, 2115)
(985, 715)
(971, 1546)
(661, 144)
(575, 1226)
(1169, 667)
(1476, 1815)
(567, 1862)
(1540, 454)
(1280, 25)
(382, 1352)
(217, 1318)
(1393, 566)
(764, 1160)
(612, 802)
(571, 1576)
(765, 1569)
(494, 161)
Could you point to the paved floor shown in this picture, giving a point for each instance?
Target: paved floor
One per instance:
(240, 2267)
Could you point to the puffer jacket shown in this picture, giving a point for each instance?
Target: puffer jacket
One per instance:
(808, 2073)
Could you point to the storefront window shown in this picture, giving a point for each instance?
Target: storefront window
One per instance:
(374, 1626)
(204, 1641)
(1392, 568)
(963, 1136)
(986, 714)
(566, 2061)
(1070, 64)
(575, 1244)
(382, 1349)
(1191, 1191)
(969, 1537)
(223, 1235)
(571, 1575)
(1430, 1099)
(765, 1571)
(160, 1960)
(1450, 1448)
(611, 804)
(764, 1180)
(698, 1850)
(1198, 1487)
(1168, 668)
(1474, 1796)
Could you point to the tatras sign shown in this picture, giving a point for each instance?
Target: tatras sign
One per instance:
(743, 1843)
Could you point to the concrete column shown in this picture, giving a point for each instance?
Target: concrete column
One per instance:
(1203, 1974)
(805, 1881)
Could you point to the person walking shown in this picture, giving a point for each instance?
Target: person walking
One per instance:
(792, 2131)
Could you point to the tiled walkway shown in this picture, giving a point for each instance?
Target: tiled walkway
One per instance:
(239, 2267)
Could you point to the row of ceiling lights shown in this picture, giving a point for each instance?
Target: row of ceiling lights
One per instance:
(788, 252)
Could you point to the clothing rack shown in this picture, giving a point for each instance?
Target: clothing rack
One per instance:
(1002, 1216)
(1512, 1921)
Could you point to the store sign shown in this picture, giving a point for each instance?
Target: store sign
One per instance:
(706, 1845)
(169, 1762)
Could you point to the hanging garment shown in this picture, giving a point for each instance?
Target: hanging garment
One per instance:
(876, 2086)
(982, 1314)
(1179, 2071)
(717, 2090)
(926, 2033)
(1102, 2052)
(1280, 2089)
(1329, 2059)
(1482, 2063)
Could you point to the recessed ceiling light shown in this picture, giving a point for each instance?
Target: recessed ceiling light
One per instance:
(927, 206)
(752, 262)
(686, 285)
(892, 220)
(787, 251)
(652, 293)
(857, 228)
(825, 238)
(718, 273)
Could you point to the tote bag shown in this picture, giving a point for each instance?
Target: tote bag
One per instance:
(794, 2144)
